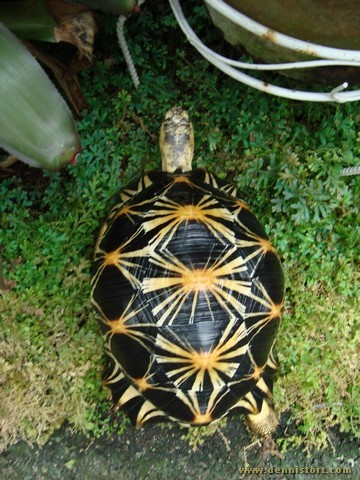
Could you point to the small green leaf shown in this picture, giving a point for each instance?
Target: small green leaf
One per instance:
(70, 464)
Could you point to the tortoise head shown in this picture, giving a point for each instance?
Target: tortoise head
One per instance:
(176, 141)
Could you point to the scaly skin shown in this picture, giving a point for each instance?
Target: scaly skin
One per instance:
(176, 141)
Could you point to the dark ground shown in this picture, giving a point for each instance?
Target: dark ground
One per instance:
(159, 452)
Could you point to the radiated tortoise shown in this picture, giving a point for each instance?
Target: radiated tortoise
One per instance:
(189, 292)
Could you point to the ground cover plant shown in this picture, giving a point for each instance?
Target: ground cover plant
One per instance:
(284, 156)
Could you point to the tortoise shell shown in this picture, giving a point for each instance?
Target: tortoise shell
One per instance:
(189, 291)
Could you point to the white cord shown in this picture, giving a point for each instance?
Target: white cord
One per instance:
(125, 50)
(226, 65)
(347, 172)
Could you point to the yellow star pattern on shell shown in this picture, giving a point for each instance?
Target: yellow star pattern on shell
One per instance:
(169, 215)
(214, 279)
(190, 364)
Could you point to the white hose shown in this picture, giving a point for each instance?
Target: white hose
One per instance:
(350, 57)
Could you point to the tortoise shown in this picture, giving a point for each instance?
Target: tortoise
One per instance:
(189, 292)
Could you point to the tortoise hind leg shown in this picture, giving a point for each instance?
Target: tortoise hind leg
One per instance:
(259, 416)
(262, 419)
(262, 422)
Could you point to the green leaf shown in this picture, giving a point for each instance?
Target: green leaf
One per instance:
(117, 7)
(36, 125)
(28, 19)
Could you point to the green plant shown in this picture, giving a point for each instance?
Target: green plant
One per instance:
(284, 157)
(36, 124)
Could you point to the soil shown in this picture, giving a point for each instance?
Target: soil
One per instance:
(160, 452)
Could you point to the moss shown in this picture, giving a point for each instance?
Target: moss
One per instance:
(318, 352)
(49, 373)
